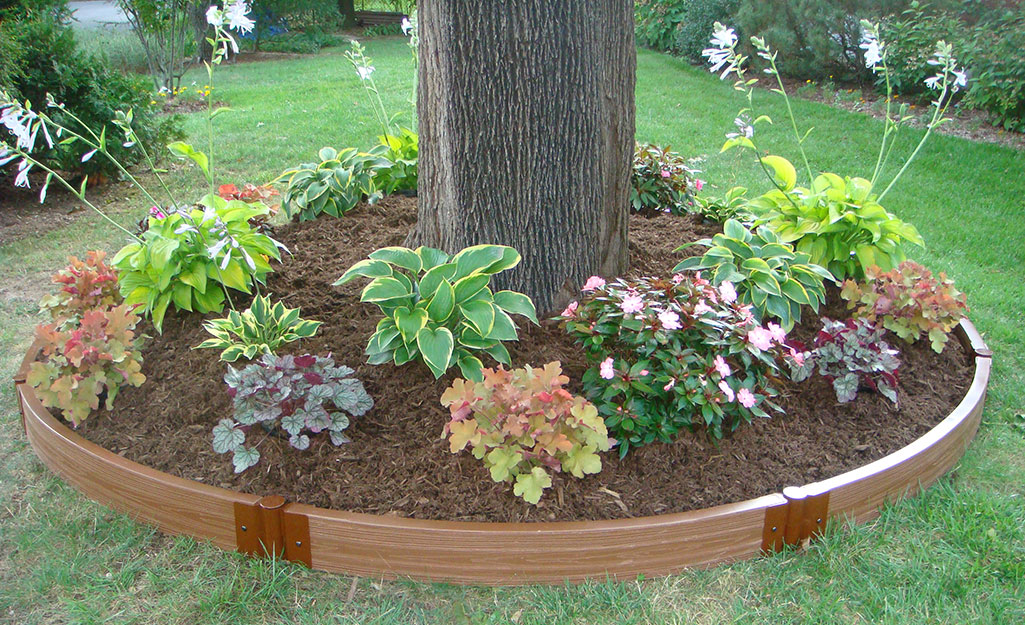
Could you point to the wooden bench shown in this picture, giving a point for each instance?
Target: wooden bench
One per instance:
(378, 18)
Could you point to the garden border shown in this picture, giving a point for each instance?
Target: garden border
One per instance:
(501, 553)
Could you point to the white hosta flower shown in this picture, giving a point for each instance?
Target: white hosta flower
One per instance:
(723, 40)
(214, 16)
(744, 129)
(406, 26)
(723, 37)
(237, 16)
(960, 79)
(933, 82)
(365, 71)
(22, 179)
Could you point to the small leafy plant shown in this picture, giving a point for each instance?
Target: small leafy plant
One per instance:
(766, 272)
(86, 285)
(523, 422)
(908, 301)
(334, 186)
(672, 354)
(299, 394)
(438, 308)
(720, 209)
(252, 194)
(402, 152)
(193, 256)
(260, 329)
(851, 355)
(660, 181)
(96, 356)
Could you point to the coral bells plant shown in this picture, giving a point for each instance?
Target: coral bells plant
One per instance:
(669, 354)
(82, 363)
(522, 423)
(661, 181)
(84, 285)
(297, 393)
(851, 355)
(908, 301)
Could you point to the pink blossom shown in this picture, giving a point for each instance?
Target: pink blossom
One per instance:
(594, 282)
(670, 320)
(727, 292)
(722, 367)
(698, 184)
(156, 212)
(726, 390)
(632, 303)
(778, 333)
(746, 398)
(760, 338)
(701, 308)
(677, 278)
(666, 173)
(571, 310)
(605, 369)
(797, 356)
(670, 384)
(644, 372)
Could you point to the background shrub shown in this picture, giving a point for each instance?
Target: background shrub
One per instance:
(680, 26)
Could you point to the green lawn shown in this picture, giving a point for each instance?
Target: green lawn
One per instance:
(953, 555)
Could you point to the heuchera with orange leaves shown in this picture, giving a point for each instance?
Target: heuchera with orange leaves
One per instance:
(908, 301)
(99, 355)
(522, 423)
(85, 285)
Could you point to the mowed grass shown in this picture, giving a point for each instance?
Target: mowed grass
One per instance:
(955, 554)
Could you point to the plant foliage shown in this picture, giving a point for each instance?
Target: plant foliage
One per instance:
(660, 181)
(402, 151)
(908, 301)
(260, 329)
(522, 423)
(298, 394)
(439, 308)
(334, 186)
(85, 285)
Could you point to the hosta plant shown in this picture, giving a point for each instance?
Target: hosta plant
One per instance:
(733, 205)
(523, 424)
(252, 194)
(260, 329)
(438, 308)
(766, 272)
(334, 185)
(85, 285)
(402, 151)
(301, 395)
(96, 356)
(672, 354)
(660, 181)
(851, 355)
(908, 301)
(192, 257)
(838, 222)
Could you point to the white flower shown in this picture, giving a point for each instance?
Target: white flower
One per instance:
(723, 37)
(237, 15)
(723, 40)
(933, 82)
(364, 71)
(214, 17)
(406, 26)
(960, 79)
(23, 169)
(744, 129)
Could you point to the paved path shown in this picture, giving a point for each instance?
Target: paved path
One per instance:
(96, 13)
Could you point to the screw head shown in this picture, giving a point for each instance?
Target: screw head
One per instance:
(244, 528)
(298, 543)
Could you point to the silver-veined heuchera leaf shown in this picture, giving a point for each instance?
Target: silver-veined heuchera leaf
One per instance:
(846, 387)
(244, 458)
(299, 442)
(227, 437)
(293, 423)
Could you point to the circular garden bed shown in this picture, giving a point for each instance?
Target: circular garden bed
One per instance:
(395, 501)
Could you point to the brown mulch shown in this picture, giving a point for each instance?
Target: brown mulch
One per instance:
(398, 464)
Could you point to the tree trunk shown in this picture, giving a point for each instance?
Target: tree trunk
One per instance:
(348, 10)
(526, 126)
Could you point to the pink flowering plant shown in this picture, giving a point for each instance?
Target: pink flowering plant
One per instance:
(669, 354)
(661, 181)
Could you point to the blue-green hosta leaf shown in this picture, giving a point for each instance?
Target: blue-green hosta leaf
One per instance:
(399, 256)
(442, 302)
(466, 288)
(430, 257)
(480, 314)
(300, 442)
(517, 304)
(409, 322)
(504, 328)
(471, 367)
(244, 458)
(846, 387)
(227, 436)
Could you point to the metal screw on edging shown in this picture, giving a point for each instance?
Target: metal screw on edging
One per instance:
(244, 528)
(298, 543)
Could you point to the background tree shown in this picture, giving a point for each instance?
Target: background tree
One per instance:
(526, 135)
(165, 30)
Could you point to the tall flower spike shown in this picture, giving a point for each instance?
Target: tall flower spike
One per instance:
(871, 45)
(723, 40)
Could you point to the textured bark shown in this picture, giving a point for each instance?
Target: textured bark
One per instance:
(526, 135)
(347, 8)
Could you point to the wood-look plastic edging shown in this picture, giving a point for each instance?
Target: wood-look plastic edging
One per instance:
(501, 553)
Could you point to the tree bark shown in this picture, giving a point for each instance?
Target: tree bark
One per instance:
(347, 8)
(526, 121)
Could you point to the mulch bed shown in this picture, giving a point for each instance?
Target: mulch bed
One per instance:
(399, 465)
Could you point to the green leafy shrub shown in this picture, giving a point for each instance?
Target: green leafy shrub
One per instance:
(438, 308)
(334, 186)
(907, 301)
(97, 355)
(911, 37)
(766, 272)
(86, 285)
(297, 394)
(672, 354)
(851, 355)
(260, 329)
(53, 66)
(522, 422)
(660, 181)
(306, 42)
(680, 26)
(996, 56)
(402, 151)
(191, 257)
(838, 222)
(721, 209)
